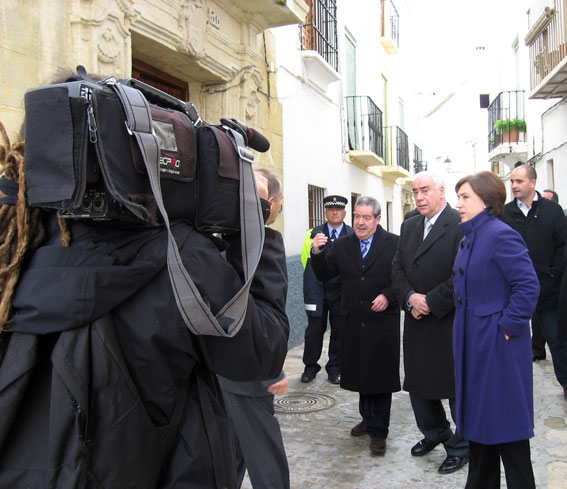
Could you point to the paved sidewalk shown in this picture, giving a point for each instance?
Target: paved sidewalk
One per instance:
(323, 455)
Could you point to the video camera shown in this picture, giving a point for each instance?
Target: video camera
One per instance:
(81, 158)
(99, 151)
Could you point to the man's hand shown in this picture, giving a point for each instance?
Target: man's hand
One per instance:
(319, 241)
(279, 388)
(380, 303)
(419, 305)
(415, 314)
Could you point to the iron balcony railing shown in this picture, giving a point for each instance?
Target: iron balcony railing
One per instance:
(506, 119)
(396, 147)
(418, 163)
(546, 38)
(394, 23)
(319, 33)
(364, 125)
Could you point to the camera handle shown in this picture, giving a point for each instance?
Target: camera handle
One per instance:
(196, 314)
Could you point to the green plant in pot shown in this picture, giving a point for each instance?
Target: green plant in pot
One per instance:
(519, 124)
(509, 130)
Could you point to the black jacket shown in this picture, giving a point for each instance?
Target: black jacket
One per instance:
(102, 384)
(370, 341)
(315, 292)
(545, 232)
(426, 267)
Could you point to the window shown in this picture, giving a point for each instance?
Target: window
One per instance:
(390, 22)
(353, 199)
(319, 33)
(550, 174)
(159, 79)
(389, 216)
(315, 201)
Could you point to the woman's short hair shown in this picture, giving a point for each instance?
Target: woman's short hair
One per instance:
(489, 187)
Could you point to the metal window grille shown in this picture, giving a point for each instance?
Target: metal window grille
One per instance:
(418, 163)
(319, 33)
(315, 197)
(364, 124)
(507, 109)
(397, 147)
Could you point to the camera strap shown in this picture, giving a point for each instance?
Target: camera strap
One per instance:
(196, 314)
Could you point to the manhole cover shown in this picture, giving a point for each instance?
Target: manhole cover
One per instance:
(302, 402)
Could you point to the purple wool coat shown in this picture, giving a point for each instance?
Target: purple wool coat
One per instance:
(496, 292)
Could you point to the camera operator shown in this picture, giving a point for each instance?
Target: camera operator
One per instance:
(101, 383)
(259, 444)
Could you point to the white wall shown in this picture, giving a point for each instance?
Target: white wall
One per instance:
(314, 119)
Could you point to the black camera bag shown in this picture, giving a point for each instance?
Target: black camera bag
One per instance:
(81, 160)
(93, 140)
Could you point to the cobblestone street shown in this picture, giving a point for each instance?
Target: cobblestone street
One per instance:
(323, 455)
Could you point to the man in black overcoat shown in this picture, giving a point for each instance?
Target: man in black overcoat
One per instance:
(423, 279)
(370, 340)
(541, 223)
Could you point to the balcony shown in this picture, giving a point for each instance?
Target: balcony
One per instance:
(396, 154)
(507, 128)
(547, 43)
(274, 14)
(365, 131)
(319, 33)
(418, 164)
(390, 27)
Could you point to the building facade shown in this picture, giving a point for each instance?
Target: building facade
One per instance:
(527, 118)
(216, 53)
(348, 120)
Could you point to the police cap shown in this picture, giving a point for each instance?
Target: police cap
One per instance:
(337, 201)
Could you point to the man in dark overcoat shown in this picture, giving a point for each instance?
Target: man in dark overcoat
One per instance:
(542, 225)
(323, 299)
(370, 341)
(423, 279)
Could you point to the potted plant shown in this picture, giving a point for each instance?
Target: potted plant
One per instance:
(519, 124)
(509, 129)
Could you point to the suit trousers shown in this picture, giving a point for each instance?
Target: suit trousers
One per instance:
(538, 340)
(316, 327)
(547, 319)
(431, 420)
(259, 444)
(375, 411)
(484, 465)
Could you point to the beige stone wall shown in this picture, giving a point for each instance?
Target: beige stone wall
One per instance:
(218, 47)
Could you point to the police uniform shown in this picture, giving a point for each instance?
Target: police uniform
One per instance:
(322, 302)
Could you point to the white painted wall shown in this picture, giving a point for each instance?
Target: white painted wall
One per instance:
(314, 119)
(554, 148)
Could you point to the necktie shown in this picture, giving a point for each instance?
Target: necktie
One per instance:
(333, 234)
(363, 247)
(427, 228)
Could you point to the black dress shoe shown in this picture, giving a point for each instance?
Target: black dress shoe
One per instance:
(359, 429)
(452, 464)
(423, 447)
(307, 377)
(378, 446)
(335, 378)
(537, 358)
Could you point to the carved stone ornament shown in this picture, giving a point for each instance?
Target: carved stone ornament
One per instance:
(192, 22)
(108, 47)
(250, 83)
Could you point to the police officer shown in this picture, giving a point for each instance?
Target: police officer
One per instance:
(323, 299)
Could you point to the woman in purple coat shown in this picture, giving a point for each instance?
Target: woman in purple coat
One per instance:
(496, 291)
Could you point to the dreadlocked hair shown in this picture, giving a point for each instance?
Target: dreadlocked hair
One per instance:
(21, 228)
